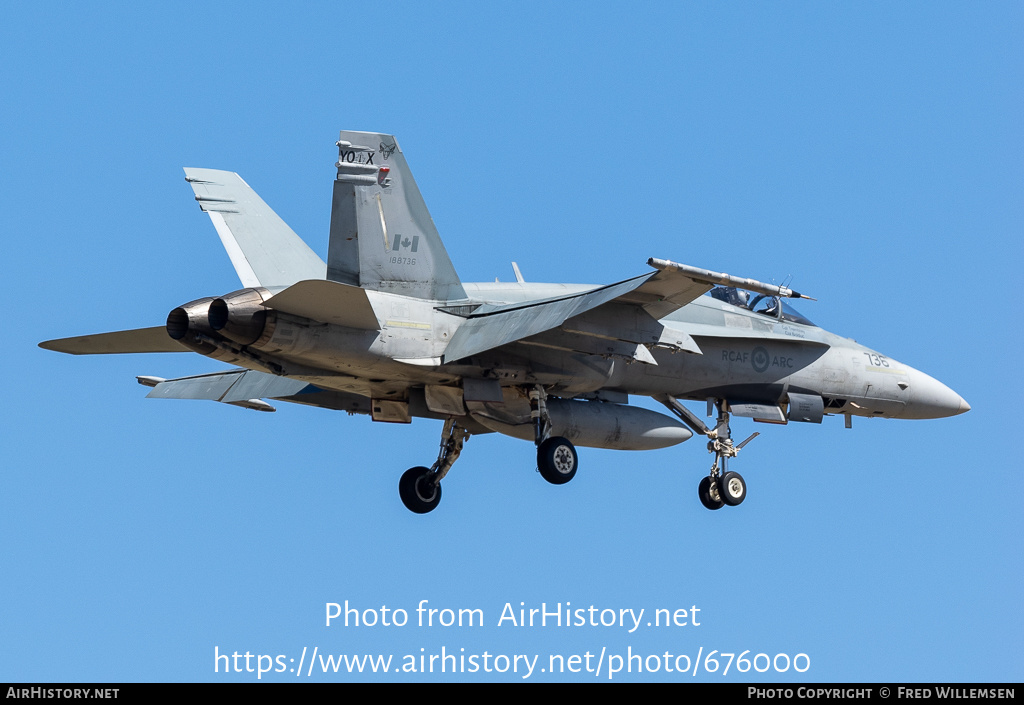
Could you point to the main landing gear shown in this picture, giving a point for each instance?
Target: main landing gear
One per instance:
(721, 486)
(420, 487)
(556, 456)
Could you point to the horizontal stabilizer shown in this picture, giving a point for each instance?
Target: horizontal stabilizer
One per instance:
(327, 302)
(263, 249)
(139, 340)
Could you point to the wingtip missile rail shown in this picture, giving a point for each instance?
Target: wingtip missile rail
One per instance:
(706, 275)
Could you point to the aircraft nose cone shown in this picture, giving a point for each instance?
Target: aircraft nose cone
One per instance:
(931, 399)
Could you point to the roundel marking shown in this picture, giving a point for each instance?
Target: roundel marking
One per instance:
(760, 359)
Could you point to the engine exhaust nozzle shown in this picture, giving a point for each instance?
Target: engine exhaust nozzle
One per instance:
(240, 315)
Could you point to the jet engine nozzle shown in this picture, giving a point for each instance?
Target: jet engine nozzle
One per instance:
(240, 315)
(190, 325)
(187, 321)
(190, 317)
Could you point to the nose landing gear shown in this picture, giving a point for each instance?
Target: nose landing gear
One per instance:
(721, 486)
(709, 494)
(732, 488)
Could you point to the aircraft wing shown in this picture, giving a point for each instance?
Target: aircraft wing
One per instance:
(139, 340)
(238, 387)
(493, 326)
(665, 291)
(627, 311)
(248, 389)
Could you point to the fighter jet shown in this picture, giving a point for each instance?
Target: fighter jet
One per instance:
(387, 329)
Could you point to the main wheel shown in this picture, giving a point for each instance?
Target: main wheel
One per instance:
(709, 496)
(732, 488)
(557, 460)
(417, 492)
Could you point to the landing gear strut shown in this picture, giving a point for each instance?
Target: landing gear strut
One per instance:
(420, 487)
(721, 486)
(556, 456)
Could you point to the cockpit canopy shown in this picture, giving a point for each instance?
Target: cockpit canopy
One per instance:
(771, 306)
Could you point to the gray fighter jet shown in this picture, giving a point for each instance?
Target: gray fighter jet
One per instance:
(386, 328)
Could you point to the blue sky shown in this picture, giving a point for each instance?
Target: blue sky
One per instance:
(872, 152)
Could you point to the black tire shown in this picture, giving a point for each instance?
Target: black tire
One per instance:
(557, 460)
(732, 488)
(417, 494)
(710, 500)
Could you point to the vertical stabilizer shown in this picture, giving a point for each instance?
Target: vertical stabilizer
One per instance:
(382, 235)
(263, 249)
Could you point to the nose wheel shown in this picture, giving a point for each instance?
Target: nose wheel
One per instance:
(732, 488)
(721, 486)
(728, 488)
(709, 495)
